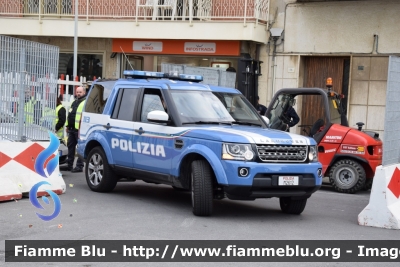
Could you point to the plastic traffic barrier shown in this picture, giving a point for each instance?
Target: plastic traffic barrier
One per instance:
(23, 164)
(383, 210)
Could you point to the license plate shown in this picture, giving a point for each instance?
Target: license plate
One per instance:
(288, 180)
(60, 152)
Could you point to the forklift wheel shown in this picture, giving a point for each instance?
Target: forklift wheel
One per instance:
(368, 184)
(347, 176)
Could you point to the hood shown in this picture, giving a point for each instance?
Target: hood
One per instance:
(248, 134)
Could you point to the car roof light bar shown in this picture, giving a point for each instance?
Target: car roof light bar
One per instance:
(143, 74)
(190, 78)
(172, 75)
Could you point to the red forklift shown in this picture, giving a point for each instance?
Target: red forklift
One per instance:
(348, 156)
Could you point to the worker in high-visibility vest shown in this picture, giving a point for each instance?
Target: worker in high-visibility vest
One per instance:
(61, 116)
(47, 118)
(72, 127)
(29, 108)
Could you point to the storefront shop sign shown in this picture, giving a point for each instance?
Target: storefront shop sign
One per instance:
(147, 46)
(195, 47)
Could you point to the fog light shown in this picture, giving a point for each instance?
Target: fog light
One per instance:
(319, 172)
(243, 172)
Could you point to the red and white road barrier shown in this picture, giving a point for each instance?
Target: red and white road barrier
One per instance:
(383, 209)
(17, 170)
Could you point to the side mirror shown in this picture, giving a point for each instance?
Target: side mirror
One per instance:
(265, 119)
(157, 116)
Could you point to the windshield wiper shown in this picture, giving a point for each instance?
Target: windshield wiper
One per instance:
(247, 123)
(209, 122)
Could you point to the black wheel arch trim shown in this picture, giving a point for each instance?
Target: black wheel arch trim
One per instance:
(337, 157)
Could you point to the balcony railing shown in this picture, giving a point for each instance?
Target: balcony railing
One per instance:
(141, 10)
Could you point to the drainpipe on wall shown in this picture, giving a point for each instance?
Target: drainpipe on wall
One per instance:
(257, 73)
(275, 34)
(273, 69)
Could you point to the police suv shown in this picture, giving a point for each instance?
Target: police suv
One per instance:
(209, 140)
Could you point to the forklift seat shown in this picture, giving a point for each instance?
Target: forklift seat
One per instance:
(316, 126)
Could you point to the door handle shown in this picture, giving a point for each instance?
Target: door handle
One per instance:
(140, 130)
(107, 126)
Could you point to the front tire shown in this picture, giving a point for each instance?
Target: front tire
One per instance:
(347, 176)
(292, 206)
(99, 175)
(202, 188)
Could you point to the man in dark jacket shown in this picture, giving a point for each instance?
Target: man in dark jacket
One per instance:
(260, 108)
(72, 127)
(292, 118)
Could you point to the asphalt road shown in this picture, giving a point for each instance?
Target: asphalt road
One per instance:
(142, 211)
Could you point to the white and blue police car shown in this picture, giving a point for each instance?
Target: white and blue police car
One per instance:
(209, 140)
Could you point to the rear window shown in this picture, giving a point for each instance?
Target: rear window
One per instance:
(125, 104)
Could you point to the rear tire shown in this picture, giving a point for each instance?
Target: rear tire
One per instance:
(202, 188)
(347, 176)
(99, 175)
(292, 206)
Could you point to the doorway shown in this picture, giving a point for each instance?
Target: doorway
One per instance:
(316, 71)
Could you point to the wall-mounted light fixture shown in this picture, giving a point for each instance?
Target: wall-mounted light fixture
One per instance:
(276, 33)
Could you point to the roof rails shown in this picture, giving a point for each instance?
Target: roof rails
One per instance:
(138, 74)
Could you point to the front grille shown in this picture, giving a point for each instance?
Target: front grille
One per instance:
(282, 153)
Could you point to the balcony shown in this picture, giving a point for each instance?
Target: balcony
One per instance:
(168, 19)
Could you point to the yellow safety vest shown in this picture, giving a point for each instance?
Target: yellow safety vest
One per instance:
(29, 111)
(47, 119)
(60, 132)
(79, 114)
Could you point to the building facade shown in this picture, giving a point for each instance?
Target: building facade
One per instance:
(349, 41)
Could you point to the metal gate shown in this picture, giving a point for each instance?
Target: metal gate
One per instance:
(28, 89)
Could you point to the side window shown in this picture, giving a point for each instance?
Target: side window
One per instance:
(95, 101)
(125, 104)
(150, 102)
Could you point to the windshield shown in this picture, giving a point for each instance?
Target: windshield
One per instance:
(313, 108)
(214, 107)
(276, 117)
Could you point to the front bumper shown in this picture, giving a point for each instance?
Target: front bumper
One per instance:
(262, 179)
(303, 190)
(81, 157)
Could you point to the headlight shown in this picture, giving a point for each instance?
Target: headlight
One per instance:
(237, 151)
(313, 154)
